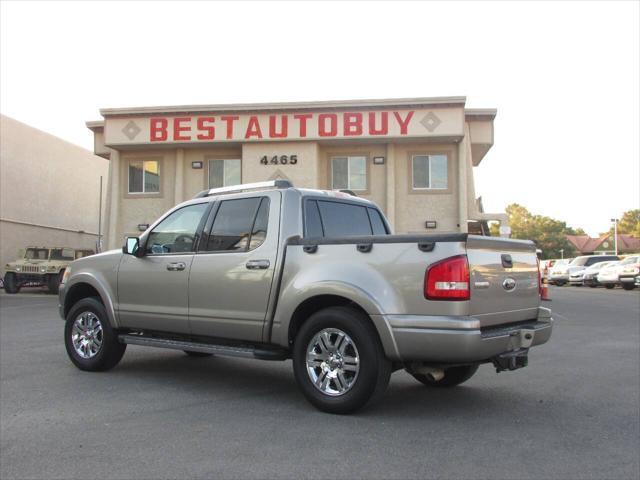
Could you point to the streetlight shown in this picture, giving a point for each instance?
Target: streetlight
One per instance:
(615, 234)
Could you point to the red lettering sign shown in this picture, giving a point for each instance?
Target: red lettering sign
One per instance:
(229, 119)
(253, 128)
(284, 120)
(204, 126)
(302, 120)
(352, 124)
(178, 128)
(403, 123)
(158, 129)
(322, 125)
(384, 127)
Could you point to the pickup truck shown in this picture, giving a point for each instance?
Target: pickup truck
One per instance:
(273, 272)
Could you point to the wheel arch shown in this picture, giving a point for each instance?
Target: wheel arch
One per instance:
(86, 287)
(320, 301)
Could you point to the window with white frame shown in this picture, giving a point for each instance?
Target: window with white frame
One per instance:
(349, 173)
(223, 173)
(144, 176)
(430, 172)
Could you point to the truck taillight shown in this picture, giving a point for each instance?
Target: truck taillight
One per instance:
(448, 279)
(539, 279)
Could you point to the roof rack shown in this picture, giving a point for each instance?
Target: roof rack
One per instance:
(349, 192)
(245, 187)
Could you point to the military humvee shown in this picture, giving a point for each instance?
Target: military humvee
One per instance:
(41, 266)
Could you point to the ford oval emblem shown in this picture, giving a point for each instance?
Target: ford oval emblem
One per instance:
(509, 284)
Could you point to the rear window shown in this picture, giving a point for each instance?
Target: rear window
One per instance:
(344, 219)
(339, 219)
(602, 258)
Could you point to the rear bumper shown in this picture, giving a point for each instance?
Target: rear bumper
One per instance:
(461, 339)
(627, 278)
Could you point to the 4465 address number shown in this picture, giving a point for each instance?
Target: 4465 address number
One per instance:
(279, 160)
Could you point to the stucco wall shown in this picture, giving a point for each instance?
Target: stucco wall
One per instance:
(48, 182)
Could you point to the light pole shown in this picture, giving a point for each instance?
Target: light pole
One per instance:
(562, 253)
(615, 234)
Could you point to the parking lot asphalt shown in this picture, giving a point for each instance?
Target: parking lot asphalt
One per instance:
(573, 413)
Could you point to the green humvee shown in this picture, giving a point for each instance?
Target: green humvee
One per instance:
(41, 266)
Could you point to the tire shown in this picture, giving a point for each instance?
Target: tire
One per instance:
(609, 286)
(11, 283)
(53, 282)
(110, 351)
(628, 286)
(452, 377)
(592, 285)
(363, 380)
(198, 354)
(560, 283)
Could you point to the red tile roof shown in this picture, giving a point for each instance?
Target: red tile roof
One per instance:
(586, 244)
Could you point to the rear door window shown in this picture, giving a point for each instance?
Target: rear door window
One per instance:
(376, 222)
(344, 219)
(239, 225)
(312, 222)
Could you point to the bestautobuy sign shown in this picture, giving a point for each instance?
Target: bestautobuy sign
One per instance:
(225, 127)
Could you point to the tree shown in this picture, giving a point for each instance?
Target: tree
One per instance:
(629, 223)
(548, 233)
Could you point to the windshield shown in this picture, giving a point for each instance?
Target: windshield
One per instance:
(579, 261)
(83, 253)
(37, 254)
(629, 260)
(62, 254)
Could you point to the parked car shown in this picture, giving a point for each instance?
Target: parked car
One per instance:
(579, 264)
(270, 272)
(559, 274)
(40, 266)
(590, 274)
(629, 269)
(608, 276)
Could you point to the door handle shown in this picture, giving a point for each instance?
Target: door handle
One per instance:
(176, 267)
(258, 264)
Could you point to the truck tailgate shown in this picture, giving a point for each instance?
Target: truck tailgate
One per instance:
(504, 280)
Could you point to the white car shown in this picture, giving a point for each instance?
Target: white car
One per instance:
(559, 275)
(579, 264)
(590, 274)
(608, 276)
(629, 269)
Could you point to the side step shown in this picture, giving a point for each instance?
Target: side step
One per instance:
(243, 351)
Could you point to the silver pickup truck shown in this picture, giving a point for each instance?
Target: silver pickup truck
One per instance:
(272, 272)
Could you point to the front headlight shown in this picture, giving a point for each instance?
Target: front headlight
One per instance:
(43, 269)
(18, 269)
(66, 275)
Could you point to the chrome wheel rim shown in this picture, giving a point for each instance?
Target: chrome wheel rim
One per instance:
(333, 362)
(87, 335)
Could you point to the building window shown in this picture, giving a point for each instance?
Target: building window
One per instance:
(144, 176)
(223, 173)
(349, 173)
(430, 172)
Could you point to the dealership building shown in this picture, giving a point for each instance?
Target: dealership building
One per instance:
(413, 157)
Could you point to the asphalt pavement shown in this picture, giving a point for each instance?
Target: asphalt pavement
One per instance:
(573, 413)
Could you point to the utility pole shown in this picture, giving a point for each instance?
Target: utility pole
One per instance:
(615, 234)
(562, 253)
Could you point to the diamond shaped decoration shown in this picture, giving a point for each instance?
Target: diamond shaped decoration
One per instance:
(430, 121)
(131, 130)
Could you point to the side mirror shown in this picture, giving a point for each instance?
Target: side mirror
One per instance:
(132, 247)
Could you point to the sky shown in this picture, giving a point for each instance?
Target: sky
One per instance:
(565, 77)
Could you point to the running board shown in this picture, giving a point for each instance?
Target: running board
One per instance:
(243, 351)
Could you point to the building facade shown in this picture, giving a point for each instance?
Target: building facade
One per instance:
(49, 191)
(413, 157)
(605, 244)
